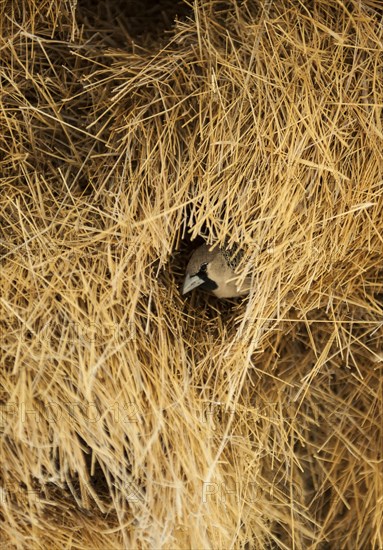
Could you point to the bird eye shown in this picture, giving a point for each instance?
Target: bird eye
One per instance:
(203, 268)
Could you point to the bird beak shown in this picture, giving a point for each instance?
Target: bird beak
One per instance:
(190, 283)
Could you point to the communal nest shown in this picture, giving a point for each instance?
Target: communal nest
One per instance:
(133, 417)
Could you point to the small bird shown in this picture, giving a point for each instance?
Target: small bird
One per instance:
(213, 269)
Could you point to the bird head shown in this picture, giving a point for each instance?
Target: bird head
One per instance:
(208, 269)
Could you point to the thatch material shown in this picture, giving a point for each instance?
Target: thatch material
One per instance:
(132, 417)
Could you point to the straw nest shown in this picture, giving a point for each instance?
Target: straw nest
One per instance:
(133, 417)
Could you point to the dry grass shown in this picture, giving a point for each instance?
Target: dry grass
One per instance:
(135, 418)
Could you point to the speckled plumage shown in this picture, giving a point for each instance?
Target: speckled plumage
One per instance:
(214, 270)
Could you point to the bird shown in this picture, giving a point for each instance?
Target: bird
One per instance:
(213, 269)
